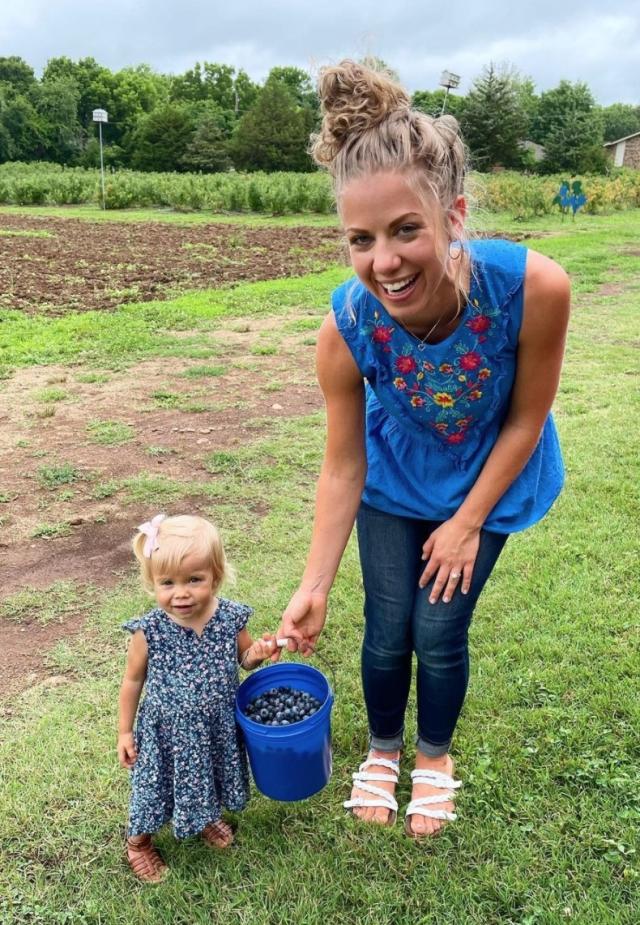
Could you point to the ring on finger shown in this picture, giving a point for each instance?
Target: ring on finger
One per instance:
(455, 575)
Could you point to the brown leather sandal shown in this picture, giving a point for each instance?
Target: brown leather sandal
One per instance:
(217, 834)
(145, 862)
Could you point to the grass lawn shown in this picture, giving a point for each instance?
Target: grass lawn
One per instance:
(547, 745)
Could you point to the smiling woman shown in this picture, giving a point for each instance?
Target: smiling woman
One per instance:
(439, 364)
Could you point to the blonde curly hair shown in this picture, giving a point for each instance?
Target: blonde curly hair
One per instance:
(368, 126)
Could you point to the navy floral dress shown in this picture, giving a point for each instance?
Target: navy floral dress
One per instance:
(191, 758)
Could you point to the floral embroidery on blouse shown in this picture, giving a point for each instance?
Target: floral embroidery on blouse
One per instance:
(445, 394)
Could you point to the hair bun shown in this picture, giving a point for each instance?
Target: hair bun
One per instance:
(448, 129)
(354, 98)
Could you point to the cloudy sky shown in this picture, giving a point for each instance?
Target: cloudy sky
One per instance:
(547, 40)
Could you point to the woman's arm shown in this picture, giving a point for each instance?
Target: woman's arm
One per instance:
(453, 547)
(130, 690)
(339, 486)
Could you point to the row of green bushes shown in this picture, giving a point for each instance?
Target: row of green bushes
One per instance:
(274, 193)
(282, 193)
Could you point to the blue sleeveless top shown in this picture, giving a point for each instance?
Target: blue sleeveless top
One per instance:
(434, 411)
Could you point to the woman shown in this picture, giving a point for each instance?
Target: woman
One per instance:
(439, 365)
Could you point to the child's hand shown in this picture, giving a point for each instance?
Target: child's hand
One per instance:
(127, 753)
(259, 650)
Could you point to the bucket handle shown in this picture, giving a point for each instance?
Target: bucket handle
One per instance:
(281, 642)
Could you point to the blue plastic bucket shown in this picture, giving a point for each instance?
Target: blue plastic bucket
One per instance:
(288, 762)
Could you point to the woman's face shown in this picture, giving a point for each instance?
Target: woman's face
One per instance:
(393, 243)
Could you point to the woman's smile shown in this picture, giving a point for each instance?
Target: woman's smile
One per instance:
(394, 248)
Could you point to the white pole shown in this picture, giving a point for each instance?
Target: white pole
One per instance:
(104, 202)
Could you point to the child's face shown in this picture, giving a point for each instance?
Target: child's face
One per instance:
(188, 592)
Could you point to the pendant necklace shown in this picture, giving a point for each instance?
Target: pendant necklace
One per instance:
(422, 341)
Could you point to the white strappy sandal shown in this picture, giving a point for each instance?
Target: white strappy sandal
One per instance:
(381, 797)
(419, 806)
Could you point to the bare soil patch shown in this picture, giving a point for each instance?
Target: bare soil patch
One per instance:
(97, 265)
(240, 405)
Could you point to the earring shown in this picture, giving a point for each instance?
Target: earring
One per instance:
(457, 250)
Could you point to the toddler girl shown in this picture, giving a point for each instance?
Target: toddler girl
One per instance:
(186, 754)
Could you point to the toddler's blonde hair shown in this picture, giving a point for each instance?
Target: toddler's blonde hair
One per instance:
(178, 537)
(368, 127)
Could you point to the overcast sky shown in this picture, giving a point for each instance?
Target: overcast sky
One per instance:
(547, 40)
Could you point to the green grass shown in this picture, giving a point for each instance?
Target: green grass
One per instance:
(110, 433)
(204, 372)
(56, 475)
(118, 339)
(546, 745)
(52, 605)
(91, 377)
(48, 531)
(51, 394)
(7, 233)
(95, 214)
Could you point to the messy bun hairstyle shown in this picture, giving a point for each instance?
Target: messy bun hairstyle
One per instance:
(368, 126)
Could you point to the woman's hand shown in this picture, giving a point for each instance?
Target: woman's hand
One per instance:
(450, 554)
(127, 753)
(302, 621)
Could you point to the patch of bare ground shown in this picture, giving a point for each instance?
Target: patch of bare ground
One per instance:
(97, 265)
(236, 405)
(22, 656)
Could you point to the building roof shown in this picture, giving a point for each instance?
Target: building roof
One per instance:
(608, 144)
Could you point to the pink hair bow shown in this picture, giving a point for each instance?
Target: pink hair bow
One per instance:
(150, 530)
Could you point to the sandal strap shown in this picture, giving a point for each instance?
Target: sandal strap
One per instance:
(146, 863)
(219, 834)
(392, 764)
(432, 813)
(367, 775)
(418, 806)
(385, 799)
(435, 779)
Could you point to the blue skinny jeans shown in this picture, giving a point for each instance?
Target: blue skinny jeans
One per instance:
(399, 620)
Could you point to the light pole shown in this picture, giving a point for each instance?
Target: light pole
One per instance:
(100, 116)
(450, 81)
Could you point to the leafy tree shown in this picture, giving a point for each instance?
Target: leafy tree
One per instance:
(215, 83)
(20, 127)
(494, 120)
(162, 137)
(297, 82)
(92, 81)
(16, 72)
(299, 85)
(56, 101)
(620, 120)
(570, 127)
(273, 134)
(430, 102)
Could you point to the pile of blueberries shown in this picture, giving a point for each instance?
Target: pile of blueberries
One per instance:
(282, 706)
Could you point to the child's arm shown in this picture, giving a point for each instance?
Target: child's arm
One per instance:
(250, 653)
(132, 683)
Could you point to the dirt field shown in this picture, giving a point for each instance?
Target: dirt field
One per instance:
(60, 520)
(57, 264)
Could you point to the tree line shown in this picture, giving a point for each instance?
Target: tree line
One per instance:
(215, 118)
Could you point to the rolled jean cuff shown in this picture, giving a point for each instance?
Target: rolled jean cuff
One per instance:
(431, 750)
(394, 744)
